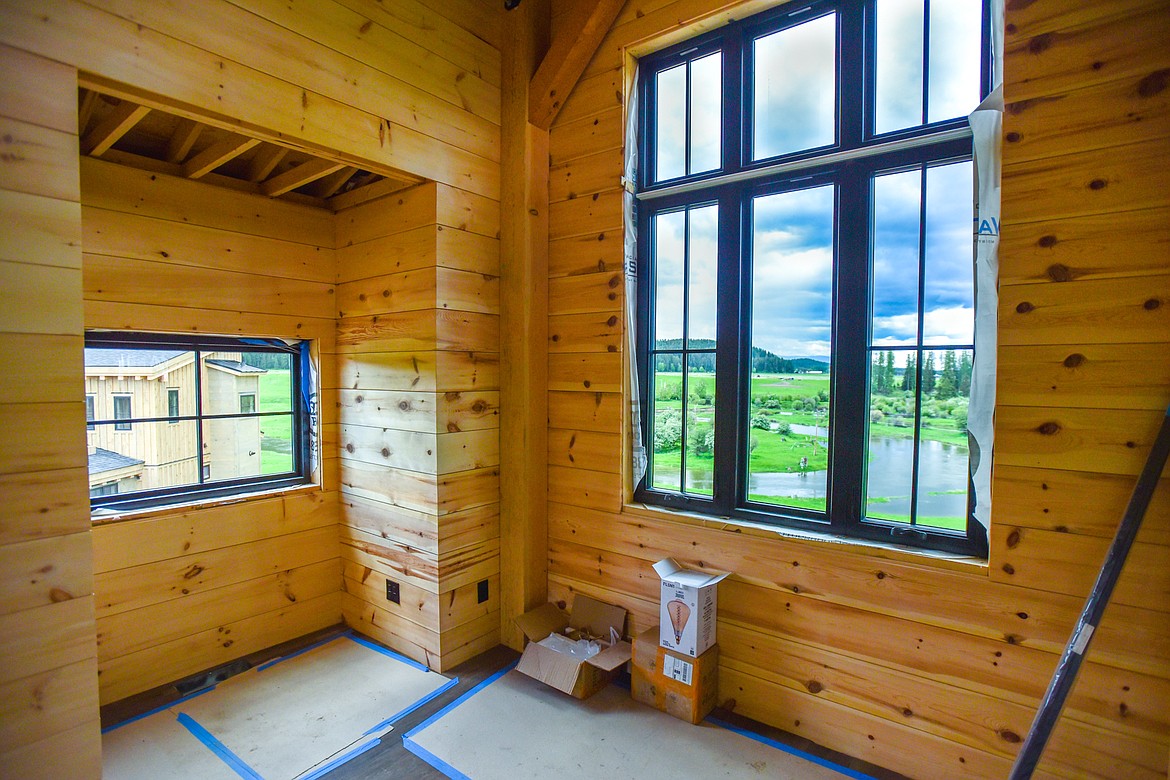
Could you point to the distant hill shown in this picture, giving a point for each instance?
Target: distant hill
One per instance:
(763, 361)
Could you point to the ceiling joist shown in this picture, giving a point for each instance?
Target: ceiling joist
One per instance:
(299, 176)
(567, 57)
(214, 156)
(107, 132)
(186, 134)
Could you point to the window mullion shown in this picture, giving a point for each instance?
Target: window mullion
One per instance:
(731, 376)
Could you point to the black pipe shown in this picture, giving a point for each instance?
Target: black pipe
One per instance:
(1074, 652)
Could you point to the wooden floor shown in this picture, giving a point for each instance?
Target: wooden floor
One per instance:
(391, 759)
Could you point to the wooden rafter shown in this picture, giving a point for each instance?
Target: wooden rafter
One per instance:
(299, 176)
(107, 132)
(330, 184)
(85, 108)
(183, 139)
(216, 155)
(265, 161)
(566, 59)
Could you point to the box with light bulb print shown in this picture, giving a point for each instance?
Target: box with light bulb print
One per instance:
(687, 609)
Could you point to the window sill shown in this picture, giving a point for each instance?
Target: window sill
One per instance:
(885, 550)
(103, 516)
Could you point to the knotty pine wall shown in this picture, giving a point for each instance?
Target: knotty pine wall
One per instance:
(48, 658)
(180, 591)
(929, 667)
(411, 86)
(418, 399)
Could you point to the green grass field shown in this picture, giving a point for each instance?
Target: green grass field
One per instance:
(276, 432)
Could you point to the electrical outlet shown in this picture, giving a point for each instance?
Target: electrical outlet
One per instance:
(392, 592)
(482, 591)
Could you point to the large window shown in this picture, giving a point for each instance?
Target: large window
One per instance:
(806, 304)
(193, 417)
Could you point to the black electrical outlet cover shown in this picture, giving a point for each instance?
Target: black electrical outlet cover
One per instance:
(482, 591)
(392, 592)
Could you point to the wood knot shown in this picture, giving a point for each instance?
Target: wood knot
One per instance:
(1040, 43)
(614, 281)
(814, 686)
(193, 572)
(907, 712)
(1007, 735)
(1013, 539)
(612, 321)
(1058, 272)
(1022, 615)
(1009, 569)
(1075, 360)
(1154, 83)
(1049, 428)
(349, 448)
(1098, 184)
(1151, 304)
(1047, 241)
(480, 406)
(1024, 307)
(881, 575)
(404, 406)
(385, 452)
(57, 595)
(1012, 137)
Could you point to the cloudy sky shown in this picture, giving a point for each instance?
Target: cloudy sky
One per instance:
(792, 243)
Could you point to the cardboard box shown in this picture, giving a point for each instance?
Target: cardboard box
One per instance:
(591, 619)
(687, 609)
(685, 687)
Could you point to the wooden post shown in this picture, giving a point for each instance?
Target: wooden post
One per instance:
(523, 325)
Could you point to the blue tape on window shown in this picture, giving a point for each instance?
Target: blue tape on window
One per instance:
(789, 749)
(215, 746)
(404, 712)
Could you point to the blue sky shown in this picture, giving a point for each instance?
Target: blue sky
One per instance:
(792, 244)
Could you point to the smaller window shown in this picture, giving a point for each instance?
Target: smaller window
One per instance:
(247, 403)
(122, 412)
(108, 489)
(173, 403)
(89, 409)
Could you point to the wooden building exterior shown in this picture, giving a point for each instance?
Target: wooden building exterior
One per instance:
(467, 324)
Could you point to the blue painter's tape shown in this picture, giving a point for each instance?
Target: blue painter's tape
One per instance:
(215, 746)
(161, 708)
(789, 749)
(404, 712)
(321, 771)
(433, 760)
(459, 701)
(391, 653)
(302, 651)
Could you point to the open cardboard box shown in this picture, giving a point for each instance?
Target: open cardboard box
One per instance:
(580, 678)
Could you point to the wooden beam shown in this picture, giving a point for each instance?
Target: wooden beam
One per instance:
(590, 20)
(183, 139)
(216, 155)
(299, 176)
(109, 130)
(523, 328)
(332, 183)
(87, 102)
(265, 161)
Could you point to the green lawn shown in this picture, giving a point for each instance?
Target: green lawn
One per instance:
(276, 432)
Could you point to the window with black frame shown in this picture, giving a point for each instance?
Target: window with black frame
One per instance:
(806, 275)
(172, 418)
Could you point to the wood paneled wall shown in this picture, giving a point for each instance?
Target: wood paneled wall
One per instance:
(184, 590)
(48, 660)
(418, 425)
(930, 667)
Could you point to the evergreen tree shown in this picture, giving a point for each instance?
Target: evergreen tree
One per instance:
(928, 374)
(909, 378)
(948, 380)
(888, 372)
(965, 373)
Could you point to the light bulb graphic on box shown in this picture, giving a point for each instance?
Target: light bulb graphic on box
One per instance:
(679, 614)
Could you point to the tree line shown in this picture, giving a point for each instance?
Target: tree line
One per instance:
(953, 379)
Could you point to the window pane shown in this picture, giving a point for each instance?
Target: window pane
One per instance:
(898, 91)
(955, 49)
(666, 426)
(153, 455)
(700, 415)
(795, 88)
(702, 276)
(172, 402)
(942, 467)
(948, 286)
(792, 283)
(89, 411)
(706, 113)
(892, 412)
(123, 410)
(248, 403)
(897, 208)
(670, 115)
(669, 260)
